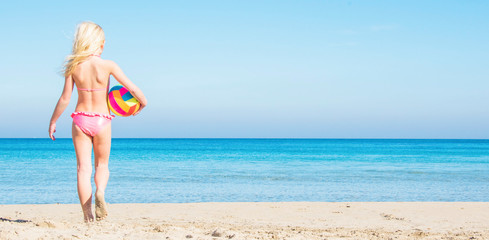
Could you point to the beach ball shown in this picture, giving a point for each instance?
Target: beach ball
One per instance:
(121, 102)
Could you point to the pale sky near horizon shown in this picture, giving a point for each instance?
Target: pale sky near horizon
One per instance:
(305, 69)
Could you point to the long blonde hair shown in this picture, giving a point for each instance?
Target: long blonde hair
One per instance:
(88, 39)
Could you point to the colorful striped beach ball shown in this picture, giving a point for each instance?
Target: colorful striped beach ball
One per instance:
(121, 102)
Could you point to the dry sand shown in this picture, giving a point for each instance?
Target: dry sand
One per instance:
(283, 220)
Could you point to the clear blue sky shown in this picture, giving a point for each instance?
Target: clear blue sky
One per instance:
(320, 69)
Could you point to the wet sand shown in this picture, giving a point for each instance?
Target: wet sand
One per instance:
(283, 220)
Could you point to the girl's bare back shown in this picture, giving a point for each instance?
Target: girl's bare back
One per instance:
(91, 77)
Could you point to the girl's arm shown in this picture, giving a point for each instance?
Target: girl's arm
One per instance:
(63, 102)
(116, 71)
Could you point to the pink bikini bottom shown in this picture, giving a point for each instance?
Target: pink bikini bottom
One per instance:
(91, 123)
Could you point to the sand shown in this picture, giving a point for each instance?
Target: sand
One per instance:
(283, 220)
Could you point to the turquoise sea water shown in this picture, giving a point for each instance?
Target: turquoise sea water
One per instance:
(34, 171)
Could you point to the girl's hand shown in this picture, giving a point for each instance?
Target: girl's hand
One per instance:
(52, 130)
(139, 110)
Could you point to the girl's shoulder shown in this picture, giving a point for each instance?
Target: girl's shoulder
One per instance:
(108, 64)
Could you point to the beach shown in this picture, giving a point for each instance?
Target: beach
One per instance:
(253, 189)
(252, 220)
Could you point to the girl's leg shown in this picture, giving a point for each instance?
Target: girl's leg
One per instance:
(83, 149)
(101, 149)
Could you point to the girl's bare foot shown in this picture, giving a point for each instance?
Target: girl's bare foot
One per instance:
(87, 211)
(88, 217)
(100, 205)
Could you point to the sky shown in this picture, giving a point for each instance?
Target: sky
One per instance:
(261, 69)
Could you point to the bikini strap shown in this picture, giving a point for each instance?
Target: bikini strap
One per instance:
(91, 90)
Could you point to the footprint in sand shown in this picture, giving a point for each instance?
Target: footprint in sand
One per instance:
(100, 206)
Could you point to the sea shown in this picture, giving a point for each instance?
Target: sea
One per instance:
(142, 170)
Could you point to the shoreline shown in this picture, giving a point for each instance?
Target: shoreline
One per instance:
(252, 220)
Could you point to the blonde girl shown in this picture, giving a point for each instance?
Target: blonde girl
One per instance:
(91, 126)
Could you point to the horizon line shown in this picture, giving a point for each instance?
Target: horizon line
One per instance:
(305, 138)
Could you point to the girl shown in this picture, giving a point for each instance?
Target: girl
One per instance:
(91, 126)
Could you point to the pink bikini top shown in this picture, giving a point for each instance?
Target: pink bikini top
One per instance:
(95, 89)
(92, 90)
